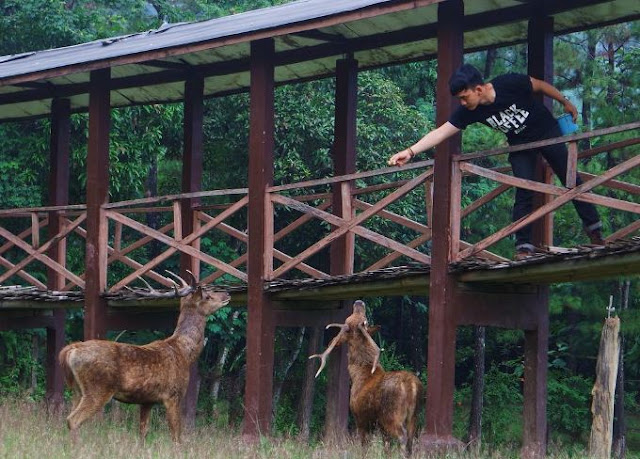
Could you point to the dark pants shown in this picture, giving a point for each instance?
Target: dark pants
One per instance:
(523, 164)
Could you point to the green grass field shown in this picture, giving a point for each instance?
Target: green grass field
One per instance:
(27, 431)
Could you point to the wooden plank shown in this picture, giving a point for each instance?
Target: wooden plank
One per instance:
(622, 232)
(613, 184)
(555, 190)
(174, 197)
(399, 219)
(572, 164)
(490, 196)
(543, 143)
(608, 147)
(351, 177)
(387, 260)
(35, 231)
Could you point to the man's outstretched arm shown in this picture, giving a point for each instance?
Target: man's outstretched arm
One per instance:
(545, 88)
(430, 140)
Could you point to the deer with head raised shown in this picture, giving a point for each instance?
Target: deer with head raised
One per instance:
(387, 400)
(158, 372)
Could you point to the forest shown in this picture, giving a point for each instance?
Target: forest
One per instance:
(598, 69)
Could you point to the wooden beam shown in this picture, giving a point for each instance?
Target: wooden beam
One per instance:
(260, 326)
(342, 249)
(59, 151)
(438, 429)
(95, 325)
(192, 164)
(559, 271)
(191, 182)
(540, 66)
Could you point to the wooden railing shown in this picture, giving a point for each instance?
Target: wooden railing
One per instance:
(24, 232)
(145, 235)
(562, 195)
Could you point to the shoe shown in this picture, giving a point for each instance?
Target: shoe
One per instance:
(595, 236)
(524, 251)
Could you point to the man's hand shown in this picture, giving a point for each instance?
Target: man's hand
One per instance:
(571, 109)
(400, 159)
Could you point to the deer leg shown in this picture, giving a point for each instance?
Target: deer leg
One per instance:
(145, 411)
(174, 418)
(89, 405)
(411, 432)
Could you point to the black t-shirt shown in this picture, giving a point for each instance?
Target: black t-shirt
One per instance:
(515, 112)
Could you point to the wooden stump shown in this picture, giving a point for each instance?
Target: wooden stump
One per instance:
(604, 390)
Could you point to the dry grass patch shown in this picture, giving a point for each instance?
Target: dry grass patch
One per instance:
(27, 431)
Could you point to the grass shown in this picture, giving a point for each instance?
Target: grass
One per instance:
(26, 431)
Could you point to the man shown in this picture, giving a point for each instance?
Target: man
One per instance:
(506, 103)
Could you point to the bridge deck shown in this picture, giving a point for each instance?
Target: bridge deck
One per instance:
(578, 264)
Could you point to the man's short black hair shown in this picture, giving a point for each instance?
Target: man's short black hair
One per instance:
(466, 77)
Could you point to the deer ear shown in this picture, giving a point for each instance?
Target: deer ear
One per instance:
(374, 329)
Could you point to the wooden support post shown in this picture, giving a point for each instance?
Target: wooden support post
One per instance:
(443, 288)
(342, 249)
(95, 314)
(536, 344)
(540, 66)
(191, 182)
(260, 327)
(58, 195)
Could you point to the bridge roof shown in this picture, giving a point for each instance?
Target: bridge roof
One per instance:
(309, 35)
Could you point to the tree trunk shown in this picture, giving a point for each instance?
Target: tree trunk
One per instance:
(220, 363)
(474, 433)
(34, 362)
(604, 390)
(277, 390)
(619, 424)
(153, 218)
(489, 61)
(308, 385)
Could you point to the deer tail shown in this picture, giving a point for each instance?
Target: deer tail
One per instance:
(64, 364)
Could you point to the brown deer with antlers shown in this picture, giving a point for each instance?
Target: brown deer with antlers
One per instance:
(388, 400)
(157, 372)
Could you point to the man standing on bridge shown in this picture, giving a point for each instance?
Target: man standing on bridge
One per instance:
(506, 103)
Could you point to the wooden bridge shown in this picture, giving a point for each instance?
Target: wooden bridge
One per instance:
(92, 255)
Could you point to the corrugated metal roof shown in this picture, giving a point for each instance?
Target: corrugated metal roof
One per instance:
(309, 36)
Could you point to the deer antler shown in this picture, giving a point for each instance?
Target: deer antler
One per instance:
(373, 343)
(185, 288)
(334, 341)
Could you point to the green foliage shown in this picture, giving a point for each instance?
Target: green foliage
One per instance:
(568, 404)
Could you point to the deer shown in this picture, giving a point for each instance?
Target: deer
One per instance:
(158, 372)
(387, 400)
